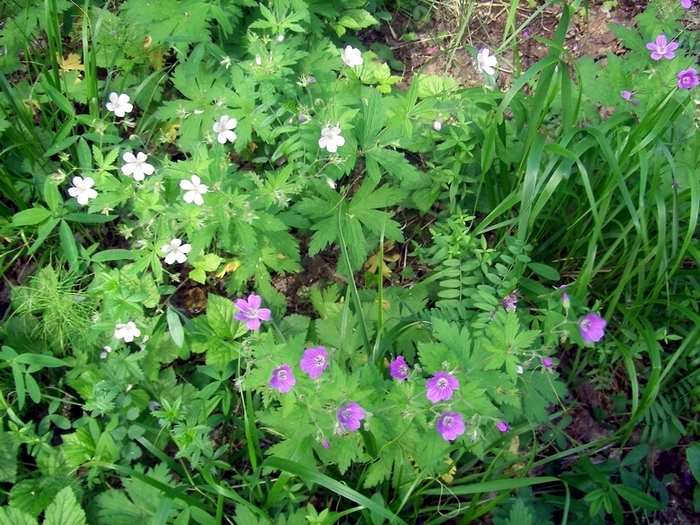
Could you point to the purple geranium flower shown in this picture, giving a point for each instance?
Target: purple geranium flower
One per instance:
(315, 361)
(502, 426)
(687, 4)
(398, 369)
(250, 312)
(688, 78)
(350, 415)
(592, 328)
(440, 387)
(547, 362)
(282, 379)
(509, 302)
(450, 425)
(661, 48)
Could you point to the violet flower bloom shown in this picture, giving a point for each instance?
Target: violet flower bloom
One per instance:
(661, 48)
(398, 368)
(688, 78)
(326, 444)
(282, 379)
(687, 4)
(450, 425)
(547, 362)
(441, 386)
(350, 415)
(502, 426)
(592, 328)
(509, 302)
(627, 95)
(315, 361)
(250, 312)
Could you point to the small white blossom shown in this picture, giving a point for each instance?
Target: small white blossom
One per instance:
(176, 251)
(258, 60)
(352, 56)
(331, 139)
(437, 125)
(223, 129)
(280, 38)
(519, 369)
(82, 190)
(119, 104)
(195, 189)
(106, 351)
(127, 332)
(485, 62)
(137, 165)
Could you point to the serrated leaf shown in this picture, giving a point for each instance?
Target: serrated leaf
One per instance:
(219, 315)
(357, 19)
(8, 457)
(12, 516)
(208, 263)
(520, 514)
(65, 510)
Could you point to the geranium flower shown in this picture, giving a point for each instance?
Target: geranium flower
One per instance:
(195, 189)
(398, 368)
(547, 362)
(350, 415)
(176, 251)
(450, 425)
(437, 125)
(250, 312)
(661, 48)
(485, 62)
(223, 129)
(315, 361)
(127, 331)
(592, 328)
(119, 104)
(687, 4)
(282, 379)
(688, 78)
(137, 165)
(82, 190)
(331, 139)
(352, 56)
(441, 386)
(502, 426)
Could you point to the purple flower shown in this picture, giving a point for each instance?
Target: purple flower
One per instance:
(349, 416)
(547, 362)
(282, 379)
(398, 369)
(502, 426)
(509, 302)
(315, 361)
(440, 387)
(626, 94)
(250, 312)
(687, 4)
(688, 78)
(592, 328)
(450, 425)
(565, 301)
(661, 48)
(326, 444)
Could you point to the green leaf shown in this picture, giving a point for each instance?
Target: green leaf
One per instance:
(114, 255)
(31, 216)
(51, 195)
(175, 327)
(692, 454)
(545, 271)
(220, 316)
(70, 247)
(357, 19)
(520, 514)
(637, 498)
(8, 457)
(88, 218)
(12, 516)
(209, 262)
(65, 510)
(198, 275)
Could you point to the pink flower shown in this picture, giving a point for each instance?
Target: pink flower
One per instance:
(350, 415)
(441, 386)
(315, 361)
(687, 4)
(282, 379)
(661, 48)
(688, 78)
(502, 426)
(592, 328)
(547, 362)
(398, 369)
(450, 425)
(250, 312)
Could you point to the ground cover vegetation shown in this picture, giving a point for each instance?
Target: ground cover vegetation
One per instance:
(174, 172)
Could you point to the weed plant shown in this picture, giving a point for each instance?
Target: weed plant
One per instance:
(216, 148)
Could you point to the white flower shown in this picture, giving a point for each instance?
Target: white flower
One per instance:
(82, 190)
(195, 189)
(127, 332)
(352, 56)
(106, 350)
(331, 139)
(519, 369)
(280, 38)
(485, 62)
(176, 251)
(137, 165)
(119, 104)
(437, 125)
(223, 129)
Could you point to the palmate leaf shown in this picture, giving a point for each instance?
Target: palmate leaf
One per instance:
(65, 510)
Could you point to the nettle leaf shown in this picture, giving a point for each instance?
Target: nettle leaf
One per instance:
(65, 510)
(12, 516)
